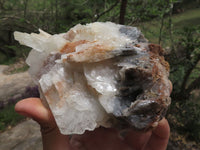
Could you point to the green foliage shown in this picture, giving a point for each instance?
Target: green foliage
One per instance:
(19, 51)
(185, 73)
(18, 70)
(147, 10)
(3, 58)
(187, 119)
(184, 60)
(176, 77)
(8, 117)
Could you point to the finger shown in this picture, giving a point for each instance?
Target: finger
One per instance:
(160, 136)
(51, 136)
(33, 108)
(171, 86)
(137, 139)
(99, 139)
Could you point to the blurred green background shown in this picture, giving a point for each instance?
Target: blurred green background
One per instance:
(174, 24)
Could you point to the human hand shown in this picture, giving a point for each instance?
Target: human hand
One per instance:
(99, 139)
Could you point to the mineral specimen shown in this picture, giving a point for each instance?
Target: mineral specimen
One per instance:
(99, 74)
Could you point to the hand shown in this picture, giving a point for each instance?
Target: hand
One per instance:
(99, 139)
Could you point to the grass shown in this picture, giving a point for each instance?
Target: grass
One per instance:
(8, 117)
(193, 14)
(18, 70)
(8, 61)
(151, 29)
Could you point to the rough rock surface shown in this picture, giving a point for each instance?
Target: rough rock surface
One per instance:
(24, 136)
(13, 85)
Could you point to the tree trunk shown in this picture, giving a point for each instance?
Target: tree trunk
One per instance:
(10, 37)
(106, 11)
(2, 5)
(161, 28)
(187, 74)
(171, 28)
(44, 16)
(56, 17)
(25, 8)
(194, 85)
(122, 11)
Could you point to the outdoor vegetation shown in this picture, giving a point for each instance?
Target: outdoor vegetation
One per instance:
(174, 24)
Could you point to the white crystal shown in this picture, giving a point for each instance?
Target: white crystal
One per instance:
(75, 109)
(78, 73)
(65, 85)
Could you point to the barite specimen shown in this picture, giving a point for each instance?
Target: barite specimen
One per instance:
(99, 74)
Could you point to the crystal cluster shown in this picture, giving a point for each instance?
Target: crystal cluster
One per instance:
(99, 74)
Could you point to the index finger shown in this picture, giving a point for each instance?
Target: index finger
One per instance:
(160, 136)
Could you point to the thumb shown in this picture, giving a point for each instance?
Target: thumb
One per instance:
(33, 108)
(51, 136)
